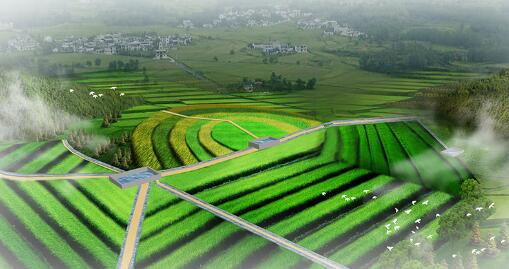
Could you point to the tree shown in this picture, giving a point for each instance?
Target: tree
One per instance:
(232, 52)
(97, 61)
(475, 239)
(115, 160)
(89, 63)
(311, 84)
(124, 164)
(471, 190)
(106, 122)
(216, 59)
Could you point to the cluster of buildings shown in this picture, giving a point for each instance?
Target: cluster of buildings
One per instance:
(116, 43)
(22, 43)
(254, 17)
(330, 28)
(276, 48)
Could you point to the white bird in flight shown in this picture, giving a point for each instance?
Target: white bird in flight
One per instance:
(324, 193)
(347, 199)
(479, 209)
(468, 215)
(91, 93)
(113, 88)
(408, 211)
(491, 205)
(492, 238)
(474, 251)
(413, 202)
(394, 221)
(122, 94)
(390, 248)
(413, 232)
(343, 196)
(454, 256)
(387, 226)
(418, 221)
(374, 197)
(425, 202)
(502, 241)
(396, 228)
(417, 227)
(353, 198)
(429, 236)
(417, 244)
(71, 90)
(365, 191)
(437, 215)
(95, 96)
(483, 249)
(396, 209)
(100, 95)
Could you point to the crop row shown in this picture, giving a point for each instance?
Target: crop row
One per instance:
(194, 144)
(205, 138)
(433, 168)
(245, 184)
(341, 229)
(178, 141)
(362, 246)
(264, 204)
(160, 142)
(309, 219)
(142, 141)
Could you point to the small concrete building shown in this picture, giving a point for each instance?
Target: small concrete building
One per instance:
(135, 177)
(265, 142)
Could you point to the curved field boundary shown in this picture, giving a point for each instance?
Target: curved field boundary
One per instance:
(212, 119)
(177, 140)
(206, 139)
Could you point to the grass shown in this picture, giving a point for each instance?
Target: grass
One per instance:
(17, 245)
(376, 237)
(296, 223)
(183, 255)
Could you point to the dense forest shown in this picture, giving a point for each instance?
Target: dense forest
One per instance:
(468, 102)
(404, 56)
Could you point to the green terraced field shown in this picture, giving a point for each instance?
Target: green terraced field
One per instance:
(62, 223)
(327, 206)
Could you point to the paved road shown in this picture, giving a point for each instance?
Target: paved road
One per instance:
(212, 119)
(312, 256)
(131, 239)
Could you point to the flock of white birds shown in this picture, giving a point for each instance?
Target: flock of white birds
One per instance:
(98, 95)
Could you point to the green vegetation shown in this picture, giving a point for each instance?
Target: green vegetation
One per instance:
(61, 223)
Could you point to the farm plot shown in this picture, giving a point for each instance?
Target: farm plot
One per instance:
(166, 141)
(62, 223)
(405, 150)
(327, 206)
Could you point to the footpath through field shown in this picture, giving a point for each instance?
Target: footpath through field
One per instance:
(211, 119)
(281, 241)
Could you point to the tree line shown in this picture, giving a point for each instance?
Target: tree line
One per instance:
(274, 83)
(466, 103)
